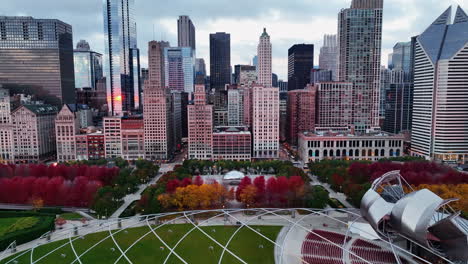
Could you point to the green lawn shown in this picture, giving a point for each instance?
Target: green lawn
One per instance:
(71, 216)
(194, 248)
(7, 222)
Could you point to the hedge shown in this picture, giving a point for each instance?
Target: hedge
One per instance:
(8, 214)
(45, 224)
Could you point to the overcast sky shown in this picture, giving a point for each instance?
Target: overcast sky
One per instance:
(287, 21)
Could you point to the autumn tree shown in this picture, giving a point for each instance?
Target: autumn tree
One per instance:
(248, 195)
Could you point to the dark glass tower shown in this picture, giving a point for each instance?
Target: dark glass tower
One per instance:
(220, 60)
(37, 57)
(88, 66)
(300, 63)
(122, 62)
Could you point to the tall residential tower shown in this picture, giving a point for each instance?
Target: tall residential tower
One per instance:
(185, 32)
(264, 60)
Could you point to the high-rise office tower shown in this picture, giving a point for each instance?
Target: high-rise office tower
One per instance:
(320, 75)
(220, 60)
(401, 58)
(274, 80)
(200, 67)
(328, 58)
(359, 40)
(264, 60)
(398, 95)
(38, 53)
(200, 126)
(440, 113)
(185, 32)
(179, 65)
(300, 63)
(255, 61)
(158, 120)
(88, 66)
(265, 121)
(122, 57)
(334, 104)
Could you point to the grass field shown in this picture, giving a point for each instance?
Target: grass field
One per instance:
(7, 222)
(71, 216)
(196, 247)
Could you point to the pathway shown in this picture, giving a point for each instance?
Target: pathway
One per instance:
(339, 196)
(130, 198)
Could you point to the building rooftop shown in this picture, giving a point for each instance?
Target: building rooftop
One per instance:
(42, 109)
(349, 134)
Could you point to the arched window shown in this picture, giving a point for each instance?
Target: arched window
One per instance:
(363, 153)
(356, 152)
(311, 152)
(317, 153)
(369, 152)
(397, 152)
(391, 152)
(382, 152)
(338, 153)
(325, 153)
(344, 152)
(350, 152)
(331, 153)
(376, 152)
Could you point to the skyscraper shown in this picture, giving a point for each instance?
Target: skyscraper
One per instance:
(300, 63)
(88, 66)
(220, 60)
(401, 57)
(264, 60)
(122, 57)
(185, 32)
(245, 74)
(38, 53)
(200, 126)
(265, 121)
(200, 67)
(179, 65)
(328, 58)
(440, 113)
(158, 121)
(6, 128)
(360, 37)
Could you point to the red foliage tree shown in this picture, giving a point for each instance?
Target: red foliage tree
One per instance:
(259, 183)
(246, 181)
(198, 180)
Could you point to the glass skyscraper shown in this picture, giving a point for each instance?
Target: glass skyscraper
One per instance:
(37, 54)
(122, 62)
(88, 66)
(300, 63)
(179, 68)
(220, 60)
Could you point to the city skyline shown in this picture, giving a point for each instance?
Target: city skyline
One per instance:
(86, 18)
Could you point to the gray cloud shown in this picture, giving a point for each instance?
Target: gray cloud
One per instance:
(308, 21)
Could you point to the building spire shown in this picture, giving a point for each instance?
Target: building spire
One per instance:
(460, 16)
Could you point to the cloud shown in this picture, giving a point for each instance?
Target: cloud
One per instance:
(287, 22)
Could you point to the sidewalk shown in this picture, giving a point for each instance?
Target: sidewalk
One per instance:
(339, 196)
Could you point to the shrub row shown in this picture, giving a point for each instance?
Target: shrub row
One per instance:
(10, 214)
(44, 225)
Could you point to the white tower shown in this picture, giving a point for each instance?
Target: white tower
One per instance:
(264, 60)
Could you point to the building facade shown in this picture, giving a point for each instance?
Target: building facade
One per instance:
(133, 145)
(264, 68)
(179, 63)
(348, 146)
(185, 32)
(158, 121)
(265, 122)
(112, 137)
(88, 66)
(245, 74)
(334, 104)
(320, 75)
(34, 133)
(440, 115)
(38, 54)
(122, 57)
(232, 143)
(328, 58)
(90, 146)
(200, 126)
(360, 37)
(220, 60)
(6, 128)
(300, 112)
(66, 127)
(300, 63)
